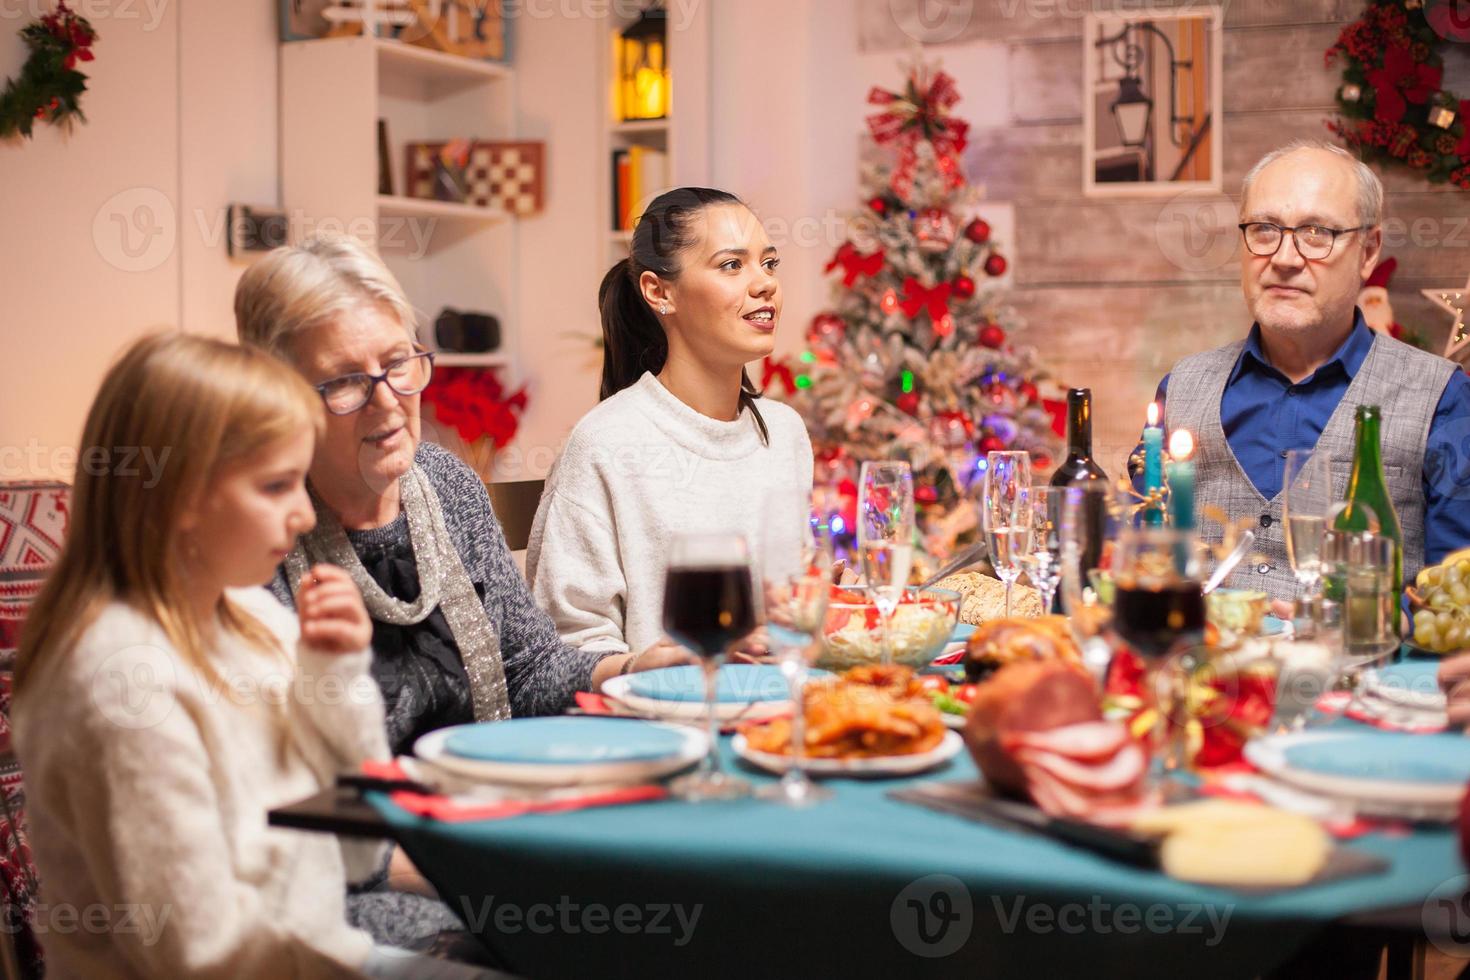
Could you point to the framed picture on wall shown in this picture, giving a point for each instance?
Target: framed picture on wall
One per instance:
(1152, 87)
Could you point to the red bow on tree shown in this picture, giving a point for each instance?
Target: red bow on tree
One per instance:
(855, 264)
(917, 296)
(1400, 81)
(773, 370)
(920, 113)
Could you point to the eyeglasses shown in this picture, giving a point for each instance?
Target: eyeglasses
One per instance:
(349, 393)
(1312, 241)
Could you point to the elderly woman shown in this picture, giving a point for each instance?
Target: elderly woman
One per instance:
(456, 635)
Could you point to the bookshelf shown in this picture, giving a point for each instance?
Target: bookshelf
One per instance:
(682, 137)
(333, 92)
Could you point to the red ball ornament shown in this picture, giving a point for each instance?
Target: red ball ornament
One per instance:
(827, 327)
(926, 494)
(1040, 461)
(978, 231)
(995, 265)
(992, 444)
(879, 205)
(1027, 391)
(992, 336)
(963, 286)
(909, 402)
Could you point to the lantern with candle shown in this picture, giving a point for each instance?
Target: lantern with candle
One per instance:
(643, 67)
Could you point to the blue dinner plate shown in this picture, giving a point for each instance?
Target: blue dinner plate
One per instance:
(1385, 756)
(1271, 626)
(564, 741)
(737, 684)
(962, 633)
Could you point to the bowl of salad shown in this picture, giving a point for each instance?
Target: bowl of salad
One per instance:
(919, 630)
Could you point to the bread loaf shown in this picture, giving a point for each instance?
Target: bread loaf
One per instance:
(984, 598)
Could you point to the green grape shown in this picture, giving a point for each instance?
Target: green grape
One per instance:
(1440, 600)
(1444, 620)
(1460, 593)
(1426, 637)
(1463, 567)
(1423, 617)
(1454, 574)
(1453, 638)
(1430, 578)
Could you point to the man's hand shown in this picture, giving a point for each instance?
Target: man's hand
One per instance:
(333, 618)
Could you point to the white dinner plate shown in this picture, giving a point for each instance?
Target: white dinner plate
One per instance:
(617, 689)
(888, 765)
(693, 744)
(1373, 793)
(1411, 684)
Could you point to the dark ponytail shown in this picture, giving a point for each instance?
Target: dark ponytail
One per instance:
(633, 339)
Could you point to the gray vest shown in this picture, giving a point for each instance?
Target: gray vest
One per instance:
(1406, 382)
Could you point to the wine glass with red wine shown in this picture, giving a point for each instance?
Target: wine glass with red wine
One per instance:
(709, 605)
(1159, 612)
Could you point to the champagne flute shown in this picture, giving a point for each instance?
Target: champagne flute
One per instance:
(798, 588)
(886, 536)
(1043, 562)
(1005, 514)
(1306, 498)
(709, 605)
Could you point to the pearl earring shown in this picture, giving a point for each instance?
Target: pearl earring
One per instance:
(664, 308)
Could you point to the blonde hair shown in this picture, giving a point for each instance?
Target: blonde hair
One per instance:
(197, 405)
(298, 287)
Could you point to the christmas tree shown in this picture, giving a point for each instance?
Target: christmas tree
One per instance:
(917, 359)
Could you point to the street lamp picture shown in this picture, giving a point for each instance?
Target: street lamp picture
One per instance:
(1152, 102)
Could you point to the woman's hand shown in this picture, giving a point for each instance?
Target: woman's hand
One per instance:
(664, 653)
(333, 618)
(1454, 677)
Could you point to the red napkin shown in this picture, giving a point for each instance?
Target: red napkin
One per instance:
(1342, 701)
(446, 809)
(593, 704)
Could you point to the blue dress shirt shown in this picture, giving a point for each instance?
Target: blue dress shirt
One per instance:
(1262, 410)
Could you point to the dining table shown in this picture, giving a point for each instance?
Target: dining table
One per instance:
(865, 884)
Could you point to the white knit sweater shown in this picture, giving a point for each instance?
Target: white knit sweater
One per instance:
(147, 796)
(639, 469)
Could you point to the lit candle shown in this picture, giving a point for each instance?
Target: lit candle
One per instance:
(1181, 480)
(1153, 465)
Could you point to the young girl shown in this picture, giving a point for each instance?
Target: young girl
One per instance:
(165, 701)
(679, 443)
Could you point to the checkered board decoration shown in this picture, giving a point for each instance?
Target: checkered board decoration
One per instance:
(509, 176)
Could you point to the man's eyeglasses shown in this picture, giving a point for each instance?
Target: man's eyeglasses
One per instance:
(1313, 242)
(349, 393)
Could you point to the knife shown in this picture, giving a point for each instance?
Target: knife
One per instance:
(967, 557)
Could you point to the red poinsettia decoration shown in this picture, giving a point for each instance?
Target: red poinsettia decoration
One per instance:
(1400, 81)
(474, 403)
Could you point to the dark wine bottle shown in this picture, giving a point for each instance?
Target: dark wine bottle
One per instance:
(1368, 497)
(1080, 470)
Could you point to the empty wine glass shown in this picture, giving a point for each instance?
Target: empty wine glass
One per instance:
(1043, 563)
(1005, 514)
(709, 604)
(886, 536)
(798, 588)
(1306, 497)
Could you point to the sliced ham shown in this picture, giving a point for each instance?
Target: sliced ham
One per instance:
(1124, 769)
(1085, 741)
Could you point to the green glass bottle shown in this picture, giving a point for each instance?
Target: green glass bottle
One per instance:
(1368, 497)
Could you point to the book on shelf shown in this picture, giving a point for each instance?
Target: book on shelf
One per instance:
(639, 174)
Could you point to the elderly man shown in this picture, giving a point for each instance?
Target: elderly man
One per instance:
(1310, 216)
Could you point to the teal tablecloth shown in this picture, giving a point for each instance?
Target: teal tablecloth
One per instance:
(826, 892)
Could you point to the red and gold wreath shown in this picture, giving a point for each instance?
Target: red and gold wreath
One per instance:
(49, 87)
(1392, 108)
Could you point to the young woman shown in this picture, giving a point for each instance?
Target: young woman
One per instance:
(681, 442)
(165, 701)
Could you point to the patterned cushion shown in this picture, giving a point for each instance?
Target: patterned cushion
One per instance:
(33, 521)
